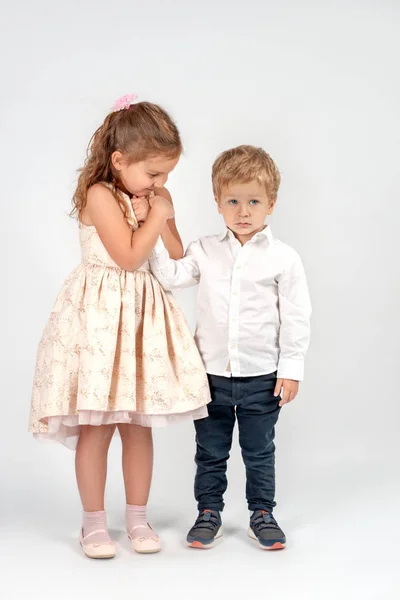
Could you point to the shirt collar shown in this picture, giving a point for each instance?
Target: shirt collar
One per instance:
(266, 232)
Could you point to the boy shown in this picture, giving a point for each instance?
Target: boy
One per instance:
(252, 331)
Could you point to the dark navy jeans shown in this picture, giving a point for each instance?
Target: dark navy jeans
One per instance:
(251, 401)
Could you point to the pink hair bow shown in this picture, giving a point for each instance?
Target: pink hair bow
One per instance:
(125, 102)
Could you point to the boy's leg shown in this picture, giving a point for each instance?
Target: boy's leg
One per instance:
(214, 441)
(257, 413)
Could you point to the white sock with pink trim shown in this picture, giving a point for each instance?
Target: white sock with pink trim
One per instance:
(94, 527)
(136, 522)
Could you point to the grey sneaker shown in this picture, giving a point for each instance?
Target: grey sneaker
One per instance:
(207, 528)
(266, 531)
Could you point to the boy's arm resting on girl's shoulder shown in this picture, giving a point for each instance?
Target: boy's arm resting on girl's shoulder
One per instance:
(174, 274)
(295, 312)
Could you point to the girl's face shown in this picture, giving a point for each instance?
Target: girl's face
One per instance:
(141, 178)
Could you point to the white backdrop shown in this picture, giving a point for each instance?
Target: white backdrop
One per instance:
(317, 85)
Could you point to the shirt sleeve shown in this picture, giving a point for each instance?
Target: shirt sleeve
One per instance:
(174, 274)
(295, 313)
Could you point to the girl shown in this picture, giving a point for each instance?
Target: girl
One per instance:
(116, 352)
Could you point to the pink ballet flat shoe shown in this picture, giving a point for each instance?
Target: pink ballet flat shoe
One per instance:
(144, 544)
(98, 550)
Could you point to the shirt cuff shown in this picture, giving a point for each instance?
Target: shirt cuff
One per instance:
(291, 369)
(158, 249)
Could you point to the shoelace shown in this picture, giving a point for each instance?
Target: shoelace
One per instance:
(264, 521)
(206, 520)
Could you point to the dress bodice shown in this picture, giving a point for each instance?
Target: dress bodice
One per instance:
(92, 248)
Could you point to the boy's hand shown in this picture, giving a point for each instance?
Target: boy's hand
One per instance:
(289, 389)
(162, 206)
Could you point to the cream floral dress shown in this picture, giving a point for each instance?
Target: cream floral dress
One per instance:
(116, 349)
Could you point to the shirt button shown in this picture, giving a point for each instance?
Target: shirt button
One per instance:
(233, 346)
(238, 267)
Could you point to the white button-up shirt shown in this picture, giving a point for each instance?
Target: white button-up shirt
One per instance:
(253, 307)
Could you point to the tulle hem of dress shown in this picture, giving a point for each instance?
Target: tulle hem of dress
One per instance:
(65, 429)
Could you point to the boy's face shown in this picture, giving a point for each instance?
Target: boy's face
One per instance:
(244, 207)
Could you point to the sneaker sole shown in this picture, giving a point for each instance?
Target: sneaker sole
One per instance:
(201, 546)
(275, 546)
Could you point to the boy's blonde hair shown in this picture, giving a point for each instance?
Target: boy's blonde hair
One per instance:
(242, 165)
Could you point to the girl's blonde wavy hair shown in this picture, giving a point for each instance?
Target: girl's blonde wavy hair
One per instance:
(141, 131)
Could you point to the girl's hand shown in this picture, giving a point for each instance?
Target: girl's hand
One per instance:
(288, 388)
(162, 206)
(141, 208)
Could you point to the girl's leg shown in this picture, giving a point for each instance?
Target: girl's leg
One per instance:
(91, 465)
(137, 464)
(91, 473)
